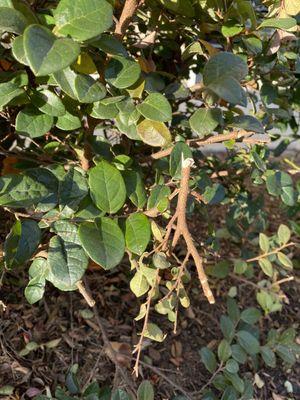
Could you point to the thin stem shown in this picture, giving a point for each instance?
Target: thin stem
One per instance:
(271, 252)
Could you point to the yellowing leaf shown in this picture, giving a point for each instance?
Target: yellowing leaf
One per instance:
(85, 64)
(154, 133)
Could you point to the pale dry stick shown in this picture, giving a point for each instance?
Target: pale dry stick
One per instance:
(129, 9)
(82, 290)
(211, 140)
(109, 351)
(278, 283)
(138, 347)
(183, 230)
(284, 246)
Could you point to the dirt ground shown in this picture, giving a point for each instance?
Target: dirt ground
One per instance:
(67, 332)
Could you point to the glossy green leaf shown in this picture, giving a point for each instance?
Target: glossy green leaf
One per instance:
(135, 188)
(248, 342)
(104, 111)
(145, 391)
(32, 122)
(156, 107)
(122, 72)
(83, 19)
(285, 260)
(110, 44)
(238, 353)
(21, 243)
(222, 74)
(107, 187)
(66, 259)
(266, 266)
(18, 50)
(12, 20)
(232, 366)
(264, 242)
(36, 187)
(279, 23)
(268, 356)
(227, 327)
(139, 284)
(180, 151)
(72, 189)
(68, 122)
(13, 87)
(224, 350)
(103, 241)
(231, 28)
(205, 120)
(45, 53)
(248, 123)
(284, 234)
(154, 332)
(88, 90)
(209, 359)
(251, 315)
(35, 289)
(48, 103)
(154, 133)
(158, 195)
(138, 233)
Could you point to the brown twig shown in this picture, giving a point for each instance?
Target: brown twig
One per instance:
(271, 252)
(128, 12)
(211, 140)
(183, 230)
(82, 290)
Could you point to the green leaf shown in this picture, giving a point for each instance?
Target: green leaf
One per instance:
(231, 28)
(110, 45)
(48, 103)
(284, 234)
(233, 309)
(32, 122)
(266, 266)
(65, 79)
(84, 19)
(120, 394)
(160, 261)
(253, 44)
(280, 184)
(12, 20)
(251, 315)
(67, 260)
(268, 356)
(72, 189)
(107, 187)
(238, 353)
(248, 342)
(222, 74)
(224, 350)
(213, 194)
(180, 151)
(135, 188)
(157, 196)
(18, 50)
(35, 289)
(205, 120)
(240, 267)
(139, 284)
(104, 111)
(154, 133)
(103, 241)
(37, 187)
(88, 90)
(264, 242)
(122, 72)
(45, 53)
(138, 233)
(227, 327)
(229, 394)
(232, 366)
(284, 260)
(286, 354)
(209, 359)
(153, 332)
(219, 270)
(279, 23)
(248, 123)
(21, 243)
(156, 107)
(68, 122)
(13, 88)
(236, 381)
(145, 391)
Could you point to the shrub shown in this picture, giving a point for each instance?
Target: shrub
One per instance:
(107, 107)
